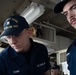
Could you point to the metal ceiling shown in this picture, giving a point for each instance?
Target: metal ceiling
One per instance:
(49, 18)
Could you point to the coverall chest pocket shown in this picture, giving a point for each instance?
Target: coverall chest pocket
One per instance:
(19, 71)
(13, 72)
(40, 68)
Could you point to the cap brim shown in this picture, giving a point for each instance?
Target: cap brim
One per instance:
(10, 32)
(59, 7)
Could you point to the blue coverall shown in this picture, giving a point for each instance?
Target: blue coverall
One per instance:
(13, 63)
(71, 58)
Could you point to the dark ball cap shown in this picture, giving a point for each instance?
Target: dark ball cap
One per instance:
(55, 67)
(59, 7)
(14, 25)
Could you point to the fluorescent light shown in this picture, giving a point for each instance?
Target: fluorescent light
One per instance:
(32, 12)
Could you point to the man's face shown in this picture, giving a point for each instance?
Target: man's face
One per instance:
(54, 71)
(69, 11)
(19, 42)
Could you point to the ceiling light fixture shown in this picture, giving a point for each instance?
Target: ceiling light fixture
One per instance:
(32, 12)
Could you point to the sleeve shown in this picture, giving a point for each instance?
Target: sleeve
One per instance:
(47, 65)
(2, 66)
(70, 55)
(68, 58)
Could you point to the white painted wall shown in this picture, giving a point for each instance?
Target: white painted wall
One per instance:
(1, 49)
(62, 43)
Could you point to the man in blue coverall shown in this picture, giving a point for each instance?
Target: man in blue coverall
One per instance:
(55, 70)
(68, 8)
(23, 56)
